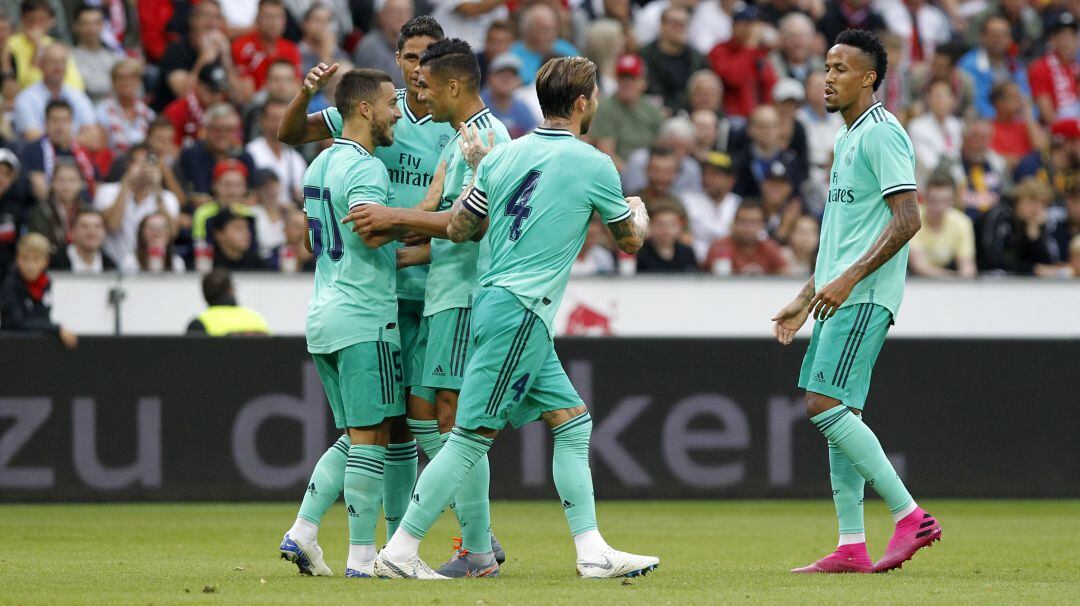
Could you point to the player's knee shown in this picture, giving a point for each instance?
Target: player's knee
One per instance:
(399, 430)
(445, 410)
(817, 404)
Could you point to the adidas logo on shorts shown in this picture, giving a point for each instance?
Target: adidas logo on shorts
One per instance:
(438, 372)
(820, 376)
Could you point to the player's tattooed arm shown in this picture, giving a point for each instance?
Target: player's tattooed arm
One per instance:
(630, 233)
(465, 224)
(298, 127)
(902, 227)
(472, 147)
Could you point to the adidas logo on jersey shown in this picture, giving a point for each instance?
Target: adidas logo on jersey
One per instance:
(820, 377)
(438, 372)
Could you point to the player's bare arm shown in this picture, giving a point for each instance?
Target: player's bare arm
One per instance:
(898, 231)
(630, 233)
(298, 127)
(374, 219)
(411, 256)
(464, 224)
(430, 203)
(788, 321)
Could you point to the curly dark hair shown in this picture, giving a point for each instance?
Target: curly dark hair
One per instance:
(424, 25)
(869, 44)
(453, 58)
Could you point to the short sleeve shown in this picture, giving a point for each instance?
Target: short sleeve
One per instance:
(606, 194)
(332, 117)
(368, 185)
(965, 238)
(891, 154)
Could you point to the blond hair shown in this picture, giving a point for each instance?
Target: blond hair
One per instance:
(33, 242)
(1033, 189)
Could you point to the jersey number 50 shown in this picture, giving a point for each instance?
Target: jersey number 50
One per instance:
(518, 204)
(315, 224)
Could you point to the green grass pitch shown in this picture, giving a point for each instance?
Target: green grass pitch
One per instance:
(712, 552)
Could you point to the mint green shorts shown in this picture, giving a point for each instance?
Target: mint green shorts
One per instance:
(842, 352)
(414, 339)
(447, 349)
(513, 373)
(362, 383)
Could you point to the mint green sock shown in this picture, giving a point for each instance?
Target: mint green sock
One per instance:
(847, 491)
(573, 478)
(861, 447)
(442, 478)
(326, 483)
(399, 476)
(364, 491)
(427, 436)
(473, 509)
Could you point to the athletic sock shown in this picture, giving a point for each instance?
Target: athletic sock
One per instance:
(427, 436)
(364, 491)
(861, 447)
(573, 478)
(361, 556)
(326, 483)
(847, 491)
(304, 530)
(474, 510)
(590, 545)
(399, 476)
(442, 478)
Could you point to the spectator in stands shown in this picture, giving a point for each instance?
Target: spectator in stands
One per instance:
(320, 43)
(282, 82)
(1058, 166)
(1016, 130)
(670, 60)
(710, 22)
(139, 193)
(54, 216)
(13, 203)
(1026, 22)
(154, 249)
(985, 172)
(161, 143)
(1065, 223)
(661, 171)
(539, 40)
(662, 251)
(705, 133)
(225, 317)
(705, 92)
(293, 255)
(1074, 256)
(379, 47)
(945, 246)
(845, 14)
(254, 52)
(942, 66)
(800, 254)
(93, 59)
(626, 121)
(712, 211)
(605, 42)
(501, 96)
(781, 207)
(29, 118)
(270, 153)
(788, 96)
(920, 24)
(796, 56)
(745, 251)
(1015, 238)
(123, 114)
(25, 46)
(677, 136)
(990, 63)
(233, 245)
(1054, 76)
(189, 114)
(85, 253)
(230, 193)
(595, 256)
(498, 40)
(821, 127)
(205, 44)
(25, 304)
(268, 211)
(937, 135)
(742, 64)
(40, 157)
(221, 140)
(762, 151)
(470, 20)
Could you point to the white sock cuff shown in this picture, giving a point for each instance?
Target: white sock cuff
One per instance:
(905, 512)
(852, 539)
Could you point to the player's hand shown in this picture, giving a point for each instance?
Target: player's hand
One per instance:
(68, 338)
(472, 147)
(410, 256)
(828, 300)
(789, 320)
(318, 77)
(415, 239)
(370, 218)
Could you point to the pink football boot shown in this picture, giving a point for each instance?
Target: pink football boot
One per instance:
(846, 558)
(919, 529)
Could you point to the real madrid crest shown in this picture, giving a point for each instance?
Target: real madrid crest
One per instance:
(850, 157)
(443, 140)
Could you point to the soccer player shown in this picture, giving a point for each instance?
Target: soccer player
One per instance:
(543, 189)
(853, 296)
(412, 163)
(450, 85)
(352, 329)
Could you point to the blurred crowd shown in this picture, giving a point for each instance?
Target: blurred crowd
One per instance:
(140, 136)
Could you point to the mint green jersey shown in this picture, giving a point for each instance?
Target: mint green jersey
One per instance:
(872, 160)
(452, 277)
(539, 193)
(411, 162)
(354, 297)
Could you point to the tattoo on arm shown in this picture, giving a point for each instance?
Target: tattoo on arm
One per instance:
(630, 232)
(902, 227)
(807, 293)
(463, 223)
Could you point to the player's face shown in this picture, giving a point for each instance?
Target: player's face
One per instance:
(433, 92)
(590, 111)
(846, 77)
(408, 59)
(385, 114)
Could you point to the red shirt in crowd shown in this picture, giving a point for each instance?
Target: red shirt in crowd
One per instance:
(747, 74)
(1011, 138)
(765, 258)
(1049, 76)
(253, 59)
(187, 116)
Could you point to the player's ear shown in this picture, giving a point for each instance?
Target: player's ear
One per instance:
(454, 87)
(869, 78)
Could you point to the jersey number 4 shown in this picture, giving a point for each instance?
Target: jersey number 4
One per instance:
(321, 195)
(518, 205)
